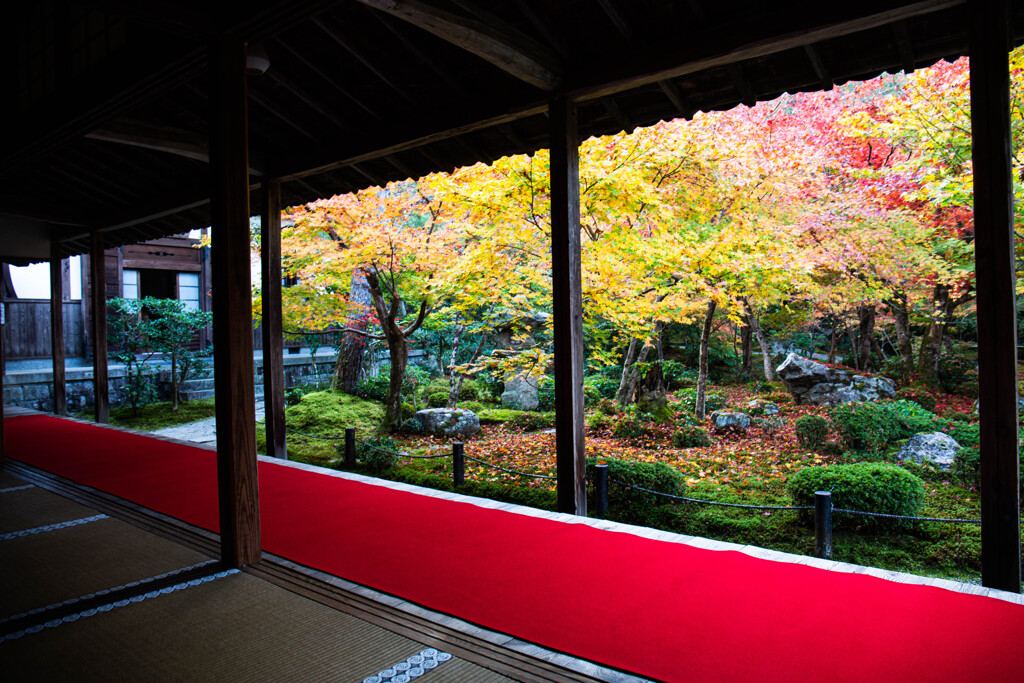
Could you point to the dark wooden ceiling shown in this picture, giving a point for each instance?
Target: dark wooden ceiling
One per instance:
(107, 125)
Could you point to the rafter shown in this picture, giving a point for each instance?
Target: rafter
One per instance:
(501, 45)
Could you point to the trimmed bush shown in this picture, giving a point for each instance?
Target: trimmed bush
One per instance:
(867, 486)
(656, 476)
(713, 400)
(780, 397)
(918, 396)
(408, 410)
(689, 436)
(546, 399)
(965, 433)
(629, 426)
(811, 431)
(438, 399)
(967, 461)
(378, 454)
(875, 426)
(475, 406)
(531, 422)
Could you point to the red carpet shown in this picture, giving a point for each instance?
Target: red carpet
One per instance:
(663, 610)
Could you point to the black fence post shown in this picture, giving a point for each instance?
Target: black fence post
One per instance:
(350, 447)
(601, 488)
(458, 464)
(823, 523)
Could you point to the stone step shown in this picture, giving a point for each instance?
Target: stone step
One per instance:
(203, 384)
(195, 395)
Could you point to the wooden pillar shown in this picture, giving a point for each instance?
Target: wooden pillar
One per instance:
(566, 277)
(273, 337)
(995, 282)
(98, 292)
(60, 401)
(3, 324)
(232, 306)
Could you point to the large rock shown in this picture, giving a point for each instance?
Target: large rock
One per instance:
(520, 393)
(448, 421)
(815, 383)
(729, 421)
(935, 447)
(759, 406)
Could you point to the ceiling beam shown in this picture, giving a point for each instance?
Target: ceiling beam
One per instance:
(501, 45)
(175, 141)
(677, 65)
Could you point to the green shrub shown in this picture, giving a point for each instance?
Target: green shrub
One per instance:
(597, 420)
(546, 399)
(689, 436)
(874, 426)
(956, 416)
(918, 396)
(378, 454)
(867, 486)
(376, 388)
(408, 410)
(438, 399)
(629, 426)
(769, 424)
(411, 425)
(496, 416)
(967, 461)
(607, 406)
(475, 406)
(966, 434)
(605, 385)
(677, 375)
(811, 431)
(957, 373)
(529, 421)
(656, 476)
(713, 400)
(780, 397)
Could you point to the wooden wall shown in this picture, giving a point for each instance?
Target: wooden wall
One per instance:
(27, 329)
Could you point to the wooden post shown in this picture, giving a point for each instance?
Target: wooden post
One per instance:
(232, 307)
(3, 324)
(566, 276)
(60, 400)
(350, 448)
(823, 524)
(995, 282)
(458, 463)
(99, 328)
(273, 337)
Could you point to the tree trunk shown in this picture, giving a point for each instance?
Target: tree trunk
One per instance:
(865, 335)
(398, 350)
(762, 341)
(622, 395)
(349, 365)
(931, 345)
(832, 343)
(702, 366)
(748, 349)
(454, 378)
(174, 382)
(854, 359)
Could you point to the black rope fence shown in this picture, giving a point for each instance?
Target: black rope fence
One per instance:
(823, 509)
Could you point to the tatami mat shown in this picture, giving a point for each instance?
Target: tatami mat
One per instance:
(35, 507)
(236, 628)
(8, 480)
(47, 568)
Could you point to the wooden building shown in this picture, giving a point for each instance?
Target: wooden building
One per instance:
(129, 122)
(173, 267)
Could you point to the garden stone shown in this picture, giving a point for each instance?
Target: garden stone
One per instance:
(813, 383)
(729, 421)
(763, 407)
(520, 393)
(448, 421)
(935, 447)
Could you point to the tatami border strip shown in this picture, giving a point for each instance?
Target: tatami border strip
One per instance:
(106, 591)
(18, 488)
(51, 527)
(419, 664)
(53, 623)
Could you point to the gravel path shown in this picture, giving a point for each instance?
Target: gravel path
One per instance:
(203, 431)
